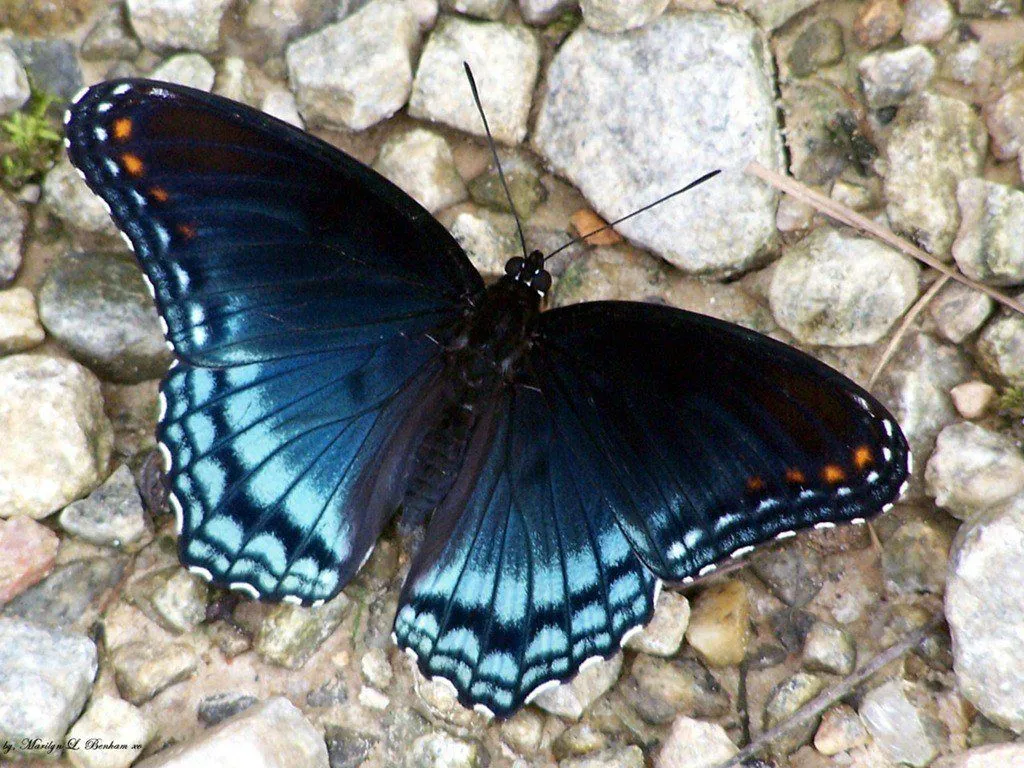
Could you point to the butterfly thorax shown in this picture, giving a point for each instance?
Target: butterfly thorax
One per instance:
(482, 358)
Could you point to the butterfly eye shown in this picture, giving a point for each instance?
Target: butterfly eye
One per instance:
(514, 266)
(541, 282)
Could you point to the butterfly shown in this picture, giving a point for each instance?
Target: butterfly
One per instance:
(338, 359)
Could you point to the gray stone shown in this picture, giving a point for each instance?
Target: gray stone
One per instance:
(505, 61)
(914, 556)
(376, 669)
(280, 103)
(112, 515)
(420, 162)
(701, 94)
(959, 310)
(274, 23)
(290, 634)
(695, 744)
(173, 597)
(439, 750)
(822, 133)
(1000, 348)
(828, 648)
(52, 65)
(540, 12)
(109, 720)
(12, 229)
(143, 669)
(841, 729)
(992, 756)
(357, 72)
(793, 572)
(892, 77)
(840, 289)
(936, 142)
(616, 757)
(110, 37)
(524, 186)
(916, 391)
(99, 308)
(989, 247)
(523, 732)
(55, 440)
(192, 25)
(14, 89)
(72, 201)
(620, 15)
(579, 739)
(487, 245)
(572, 699)
(215, 709)
(272, 734)
(233, 81)
(481, 9)
(785, 699)
(189, 69)
(985, 611)
(19, 321)
(970, 64)
(70, 596)
(45, 679)
(771, 14)
(973, 468)
(904, 732)
(661, 689)
(926, 21)
(664, 634)
(819, 44)
(1005, 121)
(988, 7)
(347, 748)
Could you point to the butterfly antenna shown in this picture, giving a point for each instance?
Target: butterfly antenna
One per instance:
(494, 152)
(637, 212)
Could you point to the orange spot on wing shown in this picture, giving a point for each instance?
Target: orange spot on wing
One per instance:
(132, 164)
(122, 128)
(832, 474)
(159, 194)
(755, 484)
(862, 457)
(187, 231)
(795, 476)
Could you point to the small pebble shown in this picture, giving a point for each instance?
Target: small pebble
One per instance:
(785, 699)
(421, 163)
(613, 16)
(14, 88)
(112, 515)
(926, 21)
(440, 750)
(892, 77)
(524, 730)
(903, 731)
(217, 708)
(109, 720)
(189, 69)
(616, 757)
(914, 558)
(1000, 348)
(580, 739)
(183, 24)
(841, 729)
(828, 648)
(13, 220)
(572, 699)
(143, 669)
(173, 597)
(664, 634)
(20, 328)
(820, 44)
(719, 628)
(989, 246)
(290, 634)
(694, 744)
(1005, 121)
(877, 22)
(972, 398)
(959, 310)
(376, 669)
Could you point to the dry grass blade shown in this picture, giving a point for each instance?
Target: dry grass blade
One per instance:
(851, 218)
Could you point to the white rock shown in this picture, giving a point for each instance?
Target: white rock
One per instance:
(482, 9)
(357, 72)
(700, 97)
(695, 744)
(973, 468)
(926, 21)
(487, 246)
(988, 756)
(271, 734)
(14, 88)
(71, 200)
(192, 25)
(189, 69)
(280, 103)
(985, 611)
(972, 398)
(572, 699)
(420, 162)
(903, 731)
(840, 289)
(664, 635)
(960, 310)
(990, 244)
(12, 230)
(20, 328)
(110, 720)
(505, 60)
(55, 439)
(891, 77)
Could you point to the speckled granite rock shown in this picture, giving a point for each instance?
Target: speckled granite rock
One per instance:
(420, 162)
(1000, 348)
(188, 69)
(572, 699)
(178, 24)
(620, 15)
(112, 515)
(694, 744)
(624, 153)
(19, 321)
(72, 201)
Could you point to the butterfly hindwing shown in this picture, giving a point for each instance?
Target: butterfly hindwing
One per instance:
(306, 298)
(708, 438)
(524, 574)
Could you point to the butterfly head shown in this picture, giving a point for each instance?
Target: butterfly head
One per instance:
(529, 271)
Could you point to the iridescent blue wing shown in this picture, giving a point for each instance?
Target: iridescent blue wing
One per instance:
(710, 439)
(524, 574)
(305, 297)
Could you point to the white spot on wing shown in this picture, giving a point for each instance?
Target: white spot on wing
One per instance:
(545, 686)
(483, 710)
(630, 633)
(179, 513)
(742, 551)
(709, 568)
(103, 106)
(824, 525)
(78, 96)
(241, 586)
(858, 521)
(165, 453)
(100, 133)
(292, 599)
(887, 507)
(121, 89)
(785, 535)
(201, 572)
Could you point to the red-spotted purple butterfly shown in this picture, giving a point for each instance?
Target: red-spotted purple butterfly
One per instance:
(339, 358)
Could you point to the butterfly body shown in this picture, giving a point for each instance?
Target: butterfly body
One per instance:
(338, 358)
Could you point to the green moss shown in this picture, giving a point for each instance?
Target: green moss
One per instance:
(29, 142)
(1011, 403)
